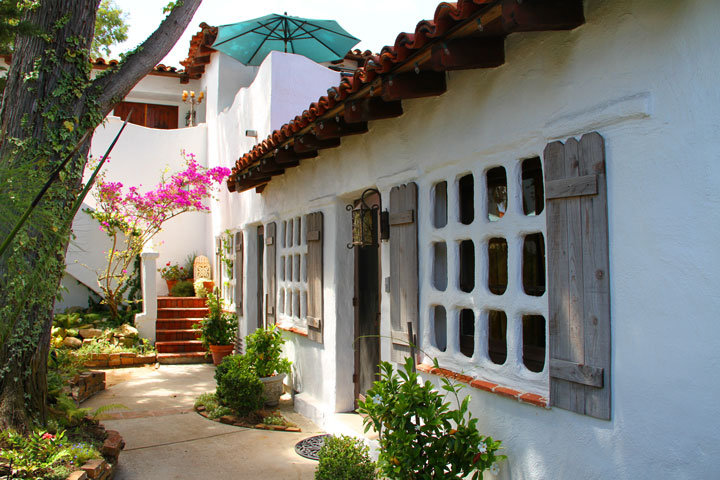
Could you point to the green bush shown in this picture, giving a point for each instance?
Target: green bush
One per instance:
(218, 328)
(238, 385)
(421, 436)
(264, 346)
(184, 288)
(344, 458)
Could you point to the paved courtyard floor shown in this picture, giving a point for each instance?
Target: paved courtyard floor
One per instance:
(166, 439)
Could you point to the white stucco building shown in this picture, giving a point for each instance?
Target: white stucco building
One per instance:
(549, 170)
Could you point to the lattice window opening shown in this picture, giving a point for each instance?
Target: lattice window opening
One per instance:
(521, 217)
(292, 273)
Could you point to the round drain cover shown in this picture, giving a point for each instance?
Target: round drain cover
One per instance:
(310, 446)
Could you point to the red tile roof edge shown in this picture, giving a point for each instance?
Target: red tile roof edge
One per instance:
(447, 16)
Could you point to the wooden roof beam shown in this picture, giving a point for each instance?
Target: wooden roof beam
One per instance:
(373, 108)
(466, 53)
(272, 165)
(288, 156)
(309, 143)
(539, 15)
(243, 185)
(336, 128)
(413, 85)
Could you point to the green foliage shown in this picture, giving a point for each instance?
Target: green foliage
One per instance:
(212, 405)
(42, 454)
(238, 385)
(189, 265)
(218, 328)
(264, 347)
(420, 435)
(274, 420)
(344, 458)
(184, 288)
(199, 286)
(110, 28)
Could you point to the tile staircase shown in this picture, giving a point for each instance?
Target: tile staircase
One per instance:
(175, 339)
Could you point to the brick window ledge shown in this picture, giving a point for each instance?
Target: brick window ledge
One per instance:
(529, 398)
(292, 329)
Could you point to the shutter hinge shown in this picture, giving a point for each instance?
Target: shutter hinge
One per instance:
(355, 378)
(355, 301)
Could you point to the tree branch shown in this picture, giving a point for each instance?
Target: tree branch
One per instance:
(117, 85)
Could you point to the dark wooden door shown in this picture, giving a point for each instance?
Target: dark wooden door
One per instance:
(149, 114)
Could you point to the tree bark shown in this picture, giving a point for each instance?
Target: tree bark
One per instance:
(50, 101)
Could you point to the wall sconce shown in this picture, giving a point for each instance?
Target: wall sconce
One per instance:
(365, 222)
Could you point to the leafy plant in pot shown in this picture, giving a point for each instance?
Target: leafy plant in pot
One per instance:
(264, 347)
(218, 330)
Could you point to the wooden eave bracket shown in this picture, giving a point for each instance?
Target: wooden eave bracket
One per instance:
(413, 85)
(310, 143)
(336, 128)
(467, 53)
(372, 108)
(540, 15)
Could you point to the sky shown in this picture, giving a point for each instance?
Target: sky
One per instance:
(375, 22)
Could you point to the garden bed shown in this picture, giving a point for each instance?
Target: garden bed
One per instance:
(208, 406)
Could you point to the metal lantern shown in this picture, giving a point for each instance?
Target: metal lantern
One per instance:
(365, 222)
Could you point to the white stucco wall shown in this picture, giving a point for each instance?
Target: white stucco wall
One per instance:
(139, 159)
(645, 76)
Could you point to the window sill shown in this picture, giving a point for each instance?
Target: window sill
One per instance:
(292, 329)
(523, 397)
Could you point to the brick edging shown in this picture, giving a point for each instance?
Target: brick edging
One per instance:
(122, 359)
(100, 468)
(298, 331)
(523, 397)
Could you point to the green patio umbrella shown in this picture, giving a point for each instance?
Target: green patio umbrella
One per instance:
(251, 41)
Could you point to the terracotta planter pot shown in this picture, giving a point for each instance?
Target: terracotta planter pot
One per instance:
(219, 352)
(171, 284)
(209, 286)
(273, 388)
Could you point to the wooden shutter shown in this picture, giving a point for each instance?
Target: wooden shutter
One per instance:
(239, 272)
(314, 236)
(578, 275)
(270, 273)
(403, 268)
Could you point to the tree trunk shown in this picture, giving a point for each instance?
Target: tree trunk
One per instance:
(50, 101)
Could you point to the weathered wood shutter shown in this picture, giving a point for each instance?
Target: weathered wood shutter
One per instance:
(314, 236)
(270, 273)
(403, 268)
(578, 275)
(239, 272)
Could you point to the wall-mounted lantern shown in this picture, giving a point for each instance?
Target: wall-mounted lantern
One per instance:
(365, 222)
(190, 116)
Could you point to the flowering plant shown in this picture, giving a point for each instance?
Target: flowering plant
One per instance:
(421, 436)
(132, 218)
(173, 272)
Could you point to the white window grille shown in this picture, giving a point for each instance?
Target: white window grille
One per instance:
(483, 306)
(292, 274)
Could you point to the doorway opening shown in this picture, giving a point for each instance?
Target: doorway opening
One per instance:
(366, 303)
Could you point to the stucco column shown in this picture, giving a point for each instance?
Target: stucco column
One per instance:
(145, 321)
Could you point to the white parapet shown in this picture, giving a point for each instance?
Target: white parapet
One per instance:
(145, 321)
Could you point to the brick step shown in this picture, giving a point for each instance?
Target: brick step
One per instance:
(187, 357)
(182, 312)
(175, 323)
(180, 302)
(176, 334)
(180, 346)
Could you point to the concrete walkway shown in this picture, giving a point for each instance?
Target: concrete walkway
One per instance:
(166, 439)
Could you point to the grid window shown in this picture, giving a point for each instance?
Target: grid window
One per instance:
(482, 303)
(226, 268)
(292, 284)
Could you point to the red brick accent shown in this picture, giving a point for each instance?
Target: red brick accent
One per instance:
(529, 398)
(288, 328)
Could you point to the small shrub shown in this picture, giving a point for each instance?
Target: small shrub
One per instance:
(212, 406)
(264, 346)
(274, 420)
(218, 328)
(238, 385)
(344, 458)
(421, 436)
(184, 288)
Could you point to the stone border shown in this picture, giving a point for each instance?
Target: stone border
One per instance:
(123, 359)
(102, 468)
(232, 420)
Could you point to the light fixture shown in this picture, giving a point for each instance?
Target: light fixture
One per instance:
(365, 222)
(251, 133)
(190, 98)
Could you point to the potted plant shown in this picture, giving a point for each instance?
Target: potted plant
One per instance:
(264, 347)
(172, 274)
(218, 330)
